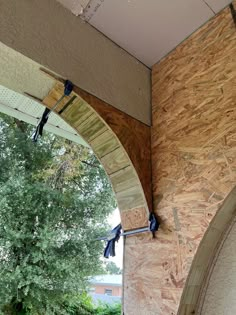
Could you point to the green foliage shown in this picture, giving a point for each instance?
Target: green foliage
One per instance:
(112, 269)
(82, 305)
(77, 305)
(54, 199)
(114, 309)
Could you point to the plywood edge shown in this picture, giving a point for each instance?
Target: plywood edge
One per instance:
(134, 136)
(112, 154)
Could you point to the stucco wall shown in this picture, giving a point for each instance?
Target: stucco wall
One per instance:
(221, 288)
(193, 164)
(22, 74)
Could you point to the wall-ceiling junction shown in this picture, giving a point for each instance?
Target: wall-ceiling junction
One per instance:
(52, 36)
(149, 29)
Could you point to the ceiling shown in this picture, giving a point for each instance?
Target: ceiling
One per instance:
(148, 29)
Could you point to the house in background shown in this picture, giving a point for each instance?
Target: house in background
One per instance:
(106, 288)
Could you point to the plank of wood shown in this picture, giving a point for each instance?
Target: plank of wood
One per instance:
(77, 113)
(105, 143)
(52, 75)
(131, 198)
(54, 95)
(91, 128)
(134, 218)
(133, 135)
(115, 161)
(124, 179)
(107, 146)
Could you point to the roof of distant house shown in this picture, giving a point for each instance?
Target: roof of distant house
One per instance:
(115, 280)
(105, 298)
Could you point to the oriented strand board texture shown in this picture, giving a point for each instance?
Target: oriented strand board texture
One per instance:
(194, 163)
(114, 144)
(134, 136)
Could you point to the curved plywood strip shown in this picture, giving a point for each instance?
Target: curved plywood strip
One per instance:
(203, 260)
(106, 142)
(133, 135)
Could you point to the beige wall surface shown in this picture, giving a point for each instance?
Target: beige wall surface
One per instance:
(21, 74)
(193, 165)
(220, 297)
(49, 34)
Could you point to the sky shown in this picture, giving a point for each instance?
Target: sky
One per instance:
(114, 220)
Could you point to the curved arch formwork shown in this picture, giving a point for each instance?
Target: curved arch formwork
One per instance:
(122, 145)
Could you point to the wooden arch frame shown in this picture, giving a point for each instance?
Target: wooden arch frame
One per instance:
(202, 263)
(122, 145)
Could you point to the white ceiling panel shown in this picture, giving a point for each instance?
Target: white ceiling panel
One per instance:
(218, 5)
(147, 29)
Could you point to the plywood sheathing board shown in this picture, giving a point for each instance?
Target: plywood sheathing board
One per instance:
(49, 34)
(120, 142)
(133, 135)
(193, 163)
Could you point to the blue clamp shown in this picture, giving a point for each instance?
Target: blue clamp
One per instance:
(153, 223)
(68, 87)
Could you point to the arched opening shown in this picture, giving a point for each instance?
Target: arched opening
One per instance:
(108, 148)
(54, 197)
(111, 134)
(121, 143)
(206, 257)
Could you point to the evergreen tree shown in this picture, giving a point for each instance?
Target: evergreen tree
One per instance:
(112, 269)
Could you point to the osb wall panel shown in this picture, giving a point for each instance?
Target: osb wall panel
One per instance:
(110, 138)
(193, 163)
(134, 136)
